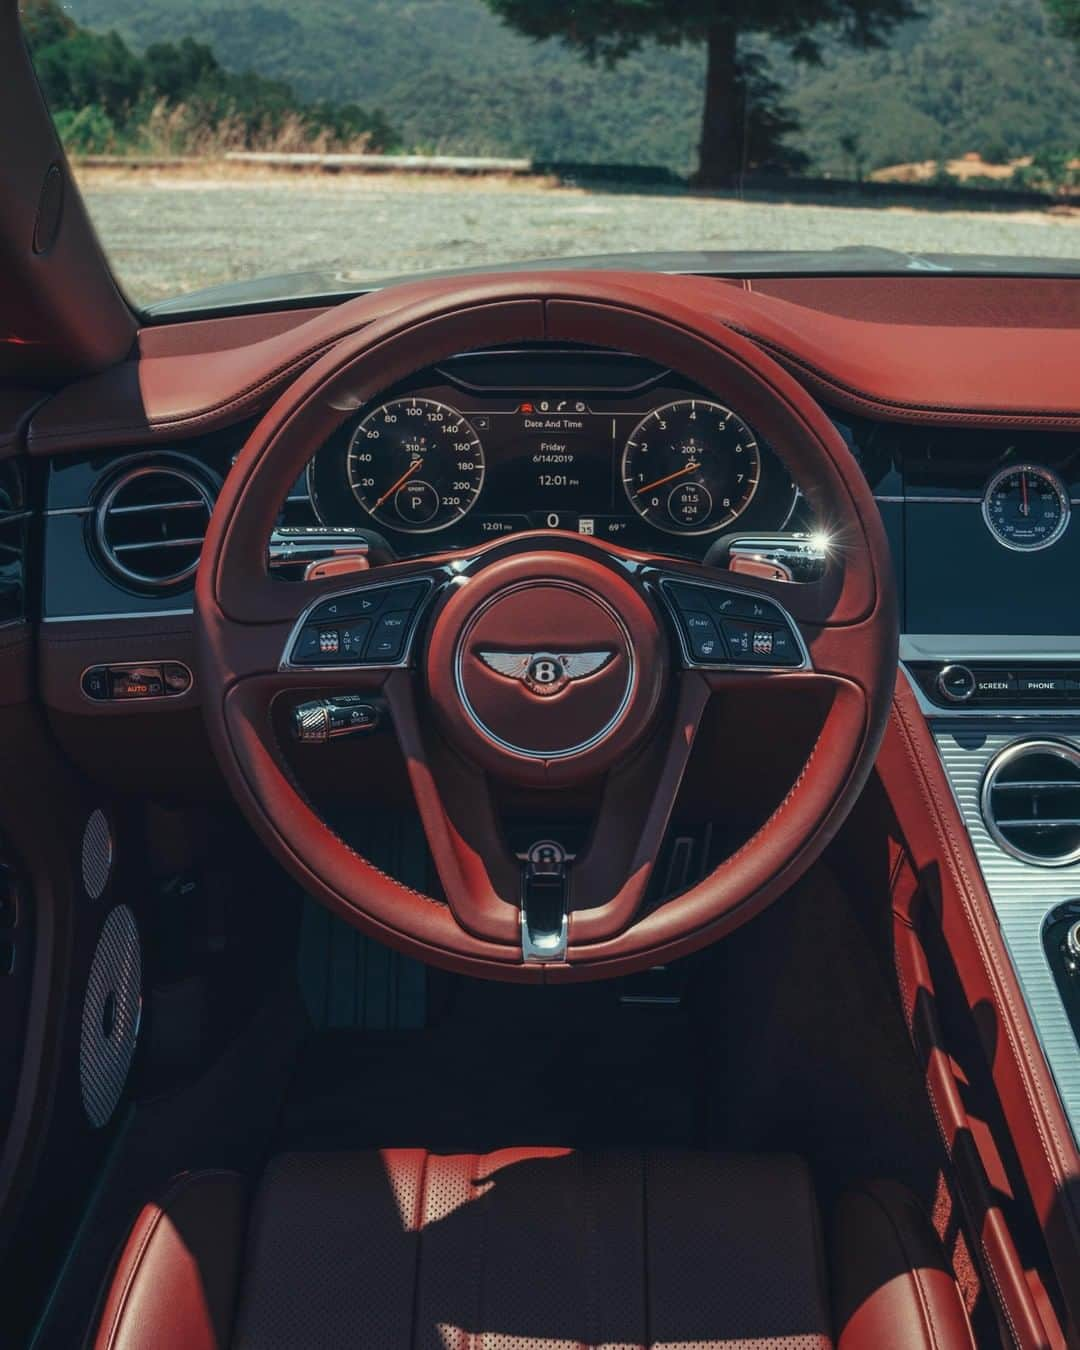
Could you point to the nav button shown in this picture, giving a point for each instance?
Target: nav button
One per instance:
(705, 641)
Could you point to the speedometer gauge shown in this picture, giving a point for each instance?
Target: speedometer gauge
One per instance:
(1026, 507)
(691, 467)
(416, 465)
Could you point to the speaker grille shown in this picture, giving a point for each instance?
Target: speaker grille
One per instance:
(97, 855)
(111, 1013)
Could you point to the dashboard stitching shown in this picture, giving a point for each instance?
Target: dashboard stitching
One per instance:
(921, 412)
(1022, 1053)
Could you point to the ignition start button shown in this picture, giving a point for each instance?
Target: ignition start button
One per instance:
(957, 683)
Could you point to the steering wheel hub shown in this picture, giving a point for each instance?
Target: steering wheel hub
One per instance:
(536, 662)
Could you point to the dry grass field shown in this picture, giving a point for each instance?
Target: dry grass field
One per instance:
(174, 230)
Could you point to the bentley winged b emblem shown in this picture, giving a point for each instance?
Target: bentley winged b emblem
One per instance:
(545, 673)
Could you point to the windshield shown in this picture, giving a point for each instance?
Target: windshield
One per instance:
(239, 150)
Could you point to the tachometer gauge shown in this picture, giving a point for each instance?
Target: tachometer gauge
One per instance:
(415, 464)
(691, 467)
(1026, 507)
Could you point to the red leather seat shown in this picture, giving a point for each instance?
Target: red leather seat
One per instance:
(528, 1248)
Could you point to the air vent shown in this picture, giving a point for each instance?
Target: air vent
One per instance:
(1031, 801)
(151, 522)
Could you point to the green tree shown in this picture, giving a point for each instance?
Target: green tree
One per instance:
(608, 30)
(1066, 16)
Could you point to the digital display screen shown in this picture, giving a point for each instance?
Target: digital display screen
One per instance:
(554, 460)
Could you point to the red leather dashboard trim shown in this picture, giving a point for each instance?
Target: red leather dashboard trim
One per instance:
(995, 375)
(911, 772)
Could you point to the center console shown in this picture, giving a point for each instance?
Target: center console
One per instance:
(1005, 718)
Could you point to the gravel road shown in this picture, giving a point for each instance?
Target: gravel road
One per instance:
(172, 233)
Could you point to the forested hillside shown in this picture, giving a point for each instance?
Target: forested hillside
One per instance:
(969, 76)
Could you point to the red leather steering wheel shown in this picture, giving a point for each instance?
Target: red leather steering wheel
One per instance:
(544, 660)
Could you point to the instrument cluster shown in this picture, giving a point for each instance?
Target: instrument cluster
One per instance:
(497, 442)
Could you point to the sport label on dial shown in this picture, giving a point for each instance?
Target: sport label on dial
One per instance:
(1026, 507)
(415, 464)
(691, 467)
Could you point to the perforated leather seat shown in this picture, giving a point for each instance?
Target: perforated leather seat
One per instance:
(528, 1248)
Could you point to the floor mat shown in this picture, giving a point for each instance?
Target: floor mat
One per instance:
(504, 1065)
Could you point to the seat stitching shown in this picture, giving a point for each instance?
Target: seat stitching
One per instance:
(913, 1269)
(421, 1224)
(176, 1188)
(643, 1159)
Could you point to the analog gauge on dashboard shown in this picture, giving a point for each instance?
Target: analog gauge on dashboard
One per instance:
(691, 467)
(1026, 507)
(414, 464)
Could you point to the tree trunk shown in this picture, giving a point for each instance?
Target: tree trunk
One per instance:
(720, 159)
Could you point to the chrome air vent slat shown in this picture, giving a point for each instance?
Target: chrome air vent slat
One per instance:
(1029, 801)
(150, 523)
(156, 506)
(159, 543)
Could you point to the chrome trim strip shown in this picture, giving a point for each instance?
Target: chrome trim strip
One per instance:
(119, 616)
(286, 664)
(1023, 895)
(692, 664)
(913, 499)
(1053, 649)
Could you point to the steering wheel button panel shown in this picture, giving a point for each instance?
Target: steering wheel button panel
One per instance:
(364, 627)
(722, 627)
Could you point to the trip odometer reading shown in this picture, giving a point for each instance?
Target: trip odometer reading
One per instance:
(415, 464)
(1026, 507)
(691, 467)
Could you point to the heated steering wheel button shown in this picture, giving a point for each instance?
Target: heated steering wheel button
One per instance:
(705, 642)
(388, 639)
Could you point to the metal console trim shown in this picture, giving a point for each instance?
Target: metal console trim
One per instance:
(1023, 894)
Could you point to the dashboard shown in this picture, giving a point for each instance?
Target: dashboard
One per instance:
(980, 521)
(596, 443)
